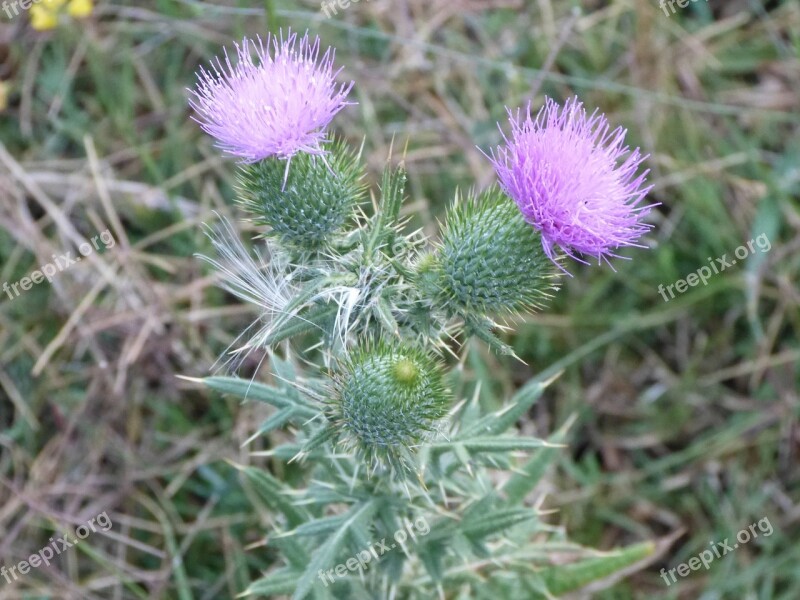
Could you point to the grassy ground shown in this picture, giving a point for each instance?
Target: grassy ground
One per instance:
(687, 410)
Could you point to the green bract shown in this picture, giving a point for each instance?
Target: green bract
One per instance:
(319, 196)
(388, 399)
(490, 260)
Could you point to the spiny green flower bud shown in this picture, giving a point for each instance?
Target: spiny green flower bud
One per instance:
(427, 275)
(311, 202)
(388, 399)
(490, 261)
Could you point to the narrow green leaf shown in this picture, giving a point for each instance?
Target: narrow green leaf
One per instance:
(383, 312)
(483, 331)
(281, 581)
(492, 444)
(275, 495)
(519, 405)
(496, 521)
(431, 556)
(292, 550)
(325, 557)
(568, 578)
(394, 183)
(275, 421)
(392, 188)
(318, 526)
(321, 436)
(252, 390)
(520, 484)
(285, 372)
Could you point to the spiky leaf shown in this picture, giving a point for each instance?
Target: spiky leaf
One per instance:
(325, 556)
(561, 579)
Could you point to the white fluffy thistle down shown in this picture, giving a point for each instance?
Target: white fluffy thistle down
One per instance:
(341, 310)
(260, 278)
(346, 299)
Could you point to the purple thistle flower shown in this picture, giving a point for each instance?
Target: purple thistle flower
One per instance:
(278, 105)
(562, 171)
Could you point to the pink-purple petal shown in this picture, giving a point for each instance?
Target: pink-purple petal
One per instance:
(276, 100)
(563, 171)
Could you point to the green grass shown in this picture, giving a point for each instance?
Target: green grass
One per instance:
(687, 411)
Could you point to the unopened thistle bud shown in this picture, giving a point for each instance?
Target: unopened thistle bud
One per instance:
(387, 399)
(490, 261)
(318, 198)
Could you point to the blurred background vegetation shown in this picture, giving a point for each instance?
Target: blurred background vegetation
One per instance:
(687, 411)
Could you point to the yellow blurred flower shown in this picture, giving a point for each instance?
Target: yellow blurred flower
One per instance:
(80, 8)
(3, 95)
(44, 14)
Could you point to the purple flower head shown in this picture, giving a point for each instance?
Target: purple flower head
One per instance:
(277, 103)
(563, 171)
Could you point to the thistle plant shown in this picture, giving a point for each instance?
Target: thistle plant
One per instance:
(364, 324)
